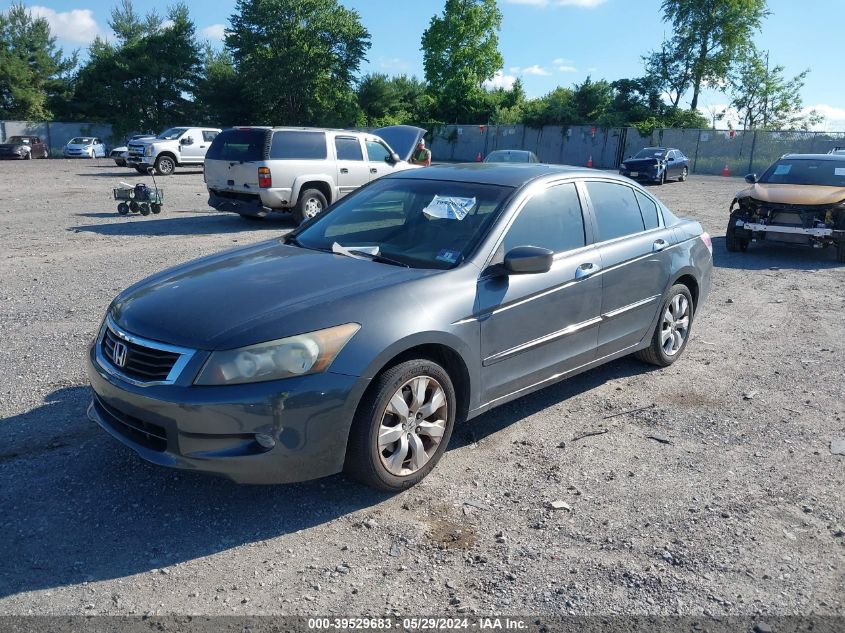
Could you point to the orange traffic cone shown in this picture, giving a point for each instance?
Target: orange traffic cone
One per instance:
(590, 161)
(478, 157)
(726, 171)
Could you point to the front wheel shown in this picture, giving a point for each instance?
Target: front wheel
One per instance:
(673, 328)
(28, 156)
(684, 174)
(311, 204)
(402, 426)
(165, 165)
(734, 244)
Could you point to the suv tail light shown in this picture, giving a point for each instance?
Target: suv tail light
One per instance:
(265, 181)
(705, 237)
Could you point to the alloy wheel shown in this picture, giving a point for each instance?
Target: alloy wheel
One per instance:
(312, 207)
(674, 326)
(412, 425)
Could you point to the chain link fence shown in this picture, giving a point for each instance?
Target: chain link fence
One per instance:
(56, 134)
(710, 151)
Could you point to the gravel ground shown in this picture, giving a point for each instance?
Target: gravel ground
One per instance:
(719, 494)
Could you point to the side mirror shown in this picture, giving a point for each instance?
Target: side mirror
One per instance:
(186, 141)
(393, 158)
(528, 260)
(751, 178)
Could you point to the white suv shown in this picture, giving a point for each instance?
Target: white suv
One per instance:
(254, 171)
(176, 146)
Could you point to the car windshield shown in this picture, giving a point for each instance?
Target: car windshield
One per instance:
(18, 140)
(238, 145)
(414, 222)
(508, 157)
(80, 140)
(651, 152)
(828, 173)
(172, 133)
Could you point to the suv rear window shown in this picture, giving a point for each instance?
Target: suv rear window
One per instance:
(238, 145)
(298, 145)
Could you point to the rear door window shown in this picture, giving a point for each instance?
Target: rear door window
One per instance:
(550, 219)
(209, 135)
(238, 145)
(298, 145)
(348, 148)
(616, 210)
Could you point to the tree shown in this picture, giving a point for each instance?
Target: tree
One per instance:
(763, 97)
(34, 72)
(708, 34)
(460, 52)
(220, 91)
(298, 59)
(670, 70)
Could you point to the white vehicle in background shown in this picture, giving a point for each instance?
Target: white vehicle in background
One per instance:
(175, 147)
(255, 171)
(85, 147)
(119, 154)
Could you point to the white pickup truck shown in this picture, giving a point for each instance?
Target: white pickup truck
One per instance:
(255, 171)
(175, 147)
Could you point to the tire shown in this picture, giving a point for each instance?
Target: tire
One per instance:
(676, 308)
(28, 156)
(369, 462)
(165, 165)
(123, 208)
(840, 251)
(684, 174)
(310, 204)
(155, 208)
(134, 207)
(733, 243)
(144, 208)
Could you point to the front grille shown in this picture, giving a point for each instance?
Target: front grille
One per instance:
(142, 363)
(144, 433)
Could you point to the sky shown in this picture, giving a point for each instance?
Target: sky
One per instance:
(546, 43)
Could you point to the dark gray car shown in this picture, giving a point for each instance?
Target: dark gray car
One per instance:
(423, 299)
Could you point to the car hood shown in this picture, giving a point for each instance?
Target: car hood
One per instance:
(641, 162)
(253, 294)
(793, 194)
(401, 138)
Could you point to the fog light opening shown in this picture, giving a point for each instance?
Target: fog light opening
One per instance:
(264, 440)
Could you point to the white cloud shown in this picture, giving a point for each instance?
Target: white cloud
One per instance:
(166, 24)
(215, 32)
(834, 118)
(586, 4)
(561, 61)
(76, 25)
(499, 80)
(536, 70)
(514, 69)
(567, 69)
(393, 63)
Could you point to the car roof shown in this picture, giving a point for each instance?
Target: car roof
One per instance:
(508, 174)
(812, 157)
(515, 151)
(293, 128)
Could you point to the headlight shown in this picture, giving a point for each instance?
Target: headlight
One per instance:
(298, 355)
(148, 151)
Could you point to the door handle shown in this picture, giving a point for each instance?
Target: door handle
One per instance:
(659, 245)
(344, 170)
(373, 170)
(202, 146)
(585, 270)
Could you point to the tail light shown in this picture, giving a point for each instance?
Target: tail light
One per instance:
(265, 181)
(705, 237)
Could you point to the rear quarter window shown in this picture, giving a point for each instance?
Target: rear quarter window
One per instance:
(298, 145)
(649, 211)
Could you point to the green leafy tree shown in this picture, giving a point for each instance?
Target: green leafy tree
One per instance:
(591, 100)
(460, 52)
(298, 59)
(220, 92)
(34, 72)
(708, 35)
(764, 97)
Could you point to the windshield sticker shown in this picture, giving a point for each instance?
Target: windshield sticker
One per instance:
(782, 170)
(449, 207)
(839, 171)
(448, 256)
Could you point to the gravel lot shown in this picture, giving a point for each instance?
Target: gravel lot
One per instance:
(718, 495)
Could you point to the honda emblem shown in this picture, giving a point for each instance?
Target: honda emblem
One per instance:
(118, 354)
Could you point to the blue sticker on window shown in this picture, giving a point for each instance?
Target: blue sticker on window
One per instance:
(448, 256)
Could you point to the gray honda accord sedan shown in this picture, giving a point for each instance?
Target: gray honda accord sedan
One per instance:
(358, 341)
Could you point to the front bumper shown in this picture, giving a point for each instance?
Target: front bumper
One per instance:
(650, 175)
(13, 156)
(213, 429)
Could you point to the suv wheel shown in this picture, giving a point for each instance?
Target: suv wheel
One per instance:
(165, 165)
(733, 243)
(402, 426)
(311, 204)
(673, 328)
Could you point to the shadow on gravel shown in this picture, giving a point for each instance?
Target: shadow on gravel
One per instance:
(78, 506)
(506, 415)
(138, 225)
(131, 174)
(765, 256)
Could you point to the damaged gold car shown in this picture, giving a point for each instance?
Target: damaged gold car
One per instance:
(800, 199)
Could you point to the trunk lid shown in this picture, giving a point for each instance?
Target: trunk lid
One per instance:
(234, 157)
